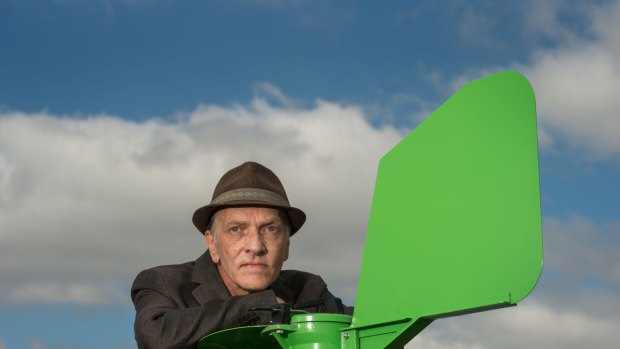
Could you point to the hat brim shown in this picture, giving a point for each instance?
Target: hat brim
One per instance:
(202, 215)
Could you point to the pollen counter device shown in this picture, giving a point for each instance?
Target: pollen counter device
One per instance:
(466, 180)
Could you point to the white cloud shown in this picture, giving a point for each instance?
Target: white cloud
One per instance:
(576, 83)
(580, 249)
(269, 92)
(530, 325)
(577, 98)
(87, 203)
(543, 19)
(59, 293)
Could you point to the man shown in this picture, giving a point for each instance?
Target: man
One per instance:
(247, 227)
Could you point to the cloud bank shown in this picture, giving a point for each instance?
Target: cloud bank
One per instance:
(576, 83)
(86, 203)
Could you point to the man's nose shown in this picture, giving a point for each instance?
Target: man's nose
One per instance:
(254, 242)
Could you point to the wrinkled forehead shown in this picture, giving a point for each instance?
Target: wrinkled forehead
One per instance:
(250, 214)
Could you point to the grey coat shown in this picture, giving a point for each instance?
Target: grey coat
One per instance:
(176, 305)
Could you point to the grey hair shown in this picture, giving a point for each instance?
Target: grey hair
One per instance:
(211, 227)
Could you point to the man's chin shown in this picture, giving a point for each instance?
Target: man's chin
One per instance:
(258, 285)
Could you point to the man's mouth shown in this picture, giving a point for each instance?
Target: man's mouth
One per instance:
(254, 265)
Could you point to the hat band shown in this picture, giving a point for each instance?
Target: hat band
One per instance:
(251, 194)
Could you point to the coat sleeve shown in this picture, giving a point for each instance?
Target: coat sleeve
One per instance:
(162, 323)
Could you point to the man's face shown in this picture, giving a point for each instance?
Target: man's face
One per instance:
(249, 247)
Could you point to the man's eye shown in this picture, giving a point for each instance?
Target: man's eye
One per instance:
(234, 230)
(271, 228)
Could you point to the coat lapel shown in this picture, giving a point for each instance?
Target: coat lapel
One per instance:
(209, 283)
(282, 290)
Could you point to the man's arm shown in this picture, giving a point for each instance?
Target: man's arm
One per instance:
(161, 322)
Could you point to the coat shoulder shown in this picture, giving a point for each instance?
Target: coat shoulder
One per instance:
(183, 270)
(171, 275)
(301, 282)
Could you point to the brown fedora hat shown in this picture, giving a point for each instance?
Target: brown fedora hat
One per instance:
(249, 184)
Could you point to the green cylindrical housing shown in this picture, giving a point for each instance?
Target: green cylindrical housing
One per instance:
(310, 331)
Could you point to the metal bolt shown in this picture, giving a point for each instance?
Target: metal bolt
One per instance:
(345, 335)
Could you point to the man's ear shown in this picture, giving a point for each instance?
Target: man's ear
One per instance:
(288, 244)
(215, 256)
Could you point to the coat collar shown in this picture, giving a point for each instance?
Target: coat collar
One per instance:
(210, 285)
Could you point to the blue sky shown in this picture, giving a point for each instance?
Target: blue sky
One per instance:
(118, 116)
(143, 58)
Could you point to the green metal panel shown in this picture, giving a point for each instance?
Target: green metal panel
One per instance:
(455, 223)
(248, 337)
